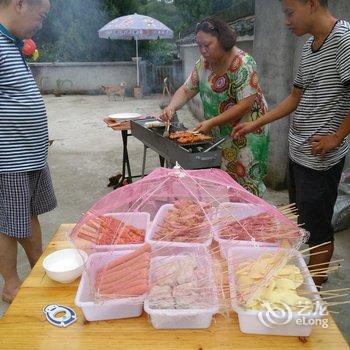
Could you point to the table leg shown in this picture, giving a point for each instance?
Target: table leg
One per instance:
(161, 161)
(126, 162)
(144, 161)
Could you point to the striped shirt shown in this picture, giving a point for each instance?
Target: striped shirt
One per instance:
(23, 120)
(324, 77)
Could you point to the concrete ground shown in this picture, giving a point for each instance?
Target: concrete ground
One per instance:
(85, 153)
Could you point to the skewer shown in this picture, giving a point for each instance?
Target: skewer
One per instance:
(331, 262)
(330, 292)
(321, 271)
(338, 303)
(289, 211)
(307, 292)
(335, 290)
(286, 206)
(328, 269)
(293, 217)
(332, 297)
(314, 247)
(312, 254)
(333, 312)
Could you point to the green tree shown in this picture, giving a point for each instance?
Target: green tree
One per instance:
(219, 5)
(193, 10)
(116, 8)
(163, 11)
(161, 51)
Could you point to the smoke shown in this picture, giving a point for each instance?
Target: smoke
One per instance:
(70, 33)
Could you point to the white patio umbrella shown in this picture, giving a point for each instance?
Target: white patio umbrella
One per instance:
(136, 27)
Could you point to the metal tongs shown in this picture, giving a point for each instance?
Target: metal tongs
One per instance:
(167, 128)
(218, 143)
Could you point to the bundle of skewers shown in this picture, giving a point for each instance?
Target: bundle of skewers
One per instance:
(105, 230)
(185, 221)
(124, 276)
(273, 280)
(262, 225)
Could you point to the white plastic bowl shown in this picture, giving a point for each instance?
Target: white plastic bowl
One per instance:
(65, 265)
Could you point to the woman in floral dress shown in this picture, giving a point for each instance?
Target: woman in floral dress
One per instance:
(226, 79)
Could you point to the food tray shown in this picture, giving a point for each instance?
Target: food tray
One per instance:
(183, 318)
(250, 321)
(160, 216)
(238, 211)
(140, 220)
(109, 309)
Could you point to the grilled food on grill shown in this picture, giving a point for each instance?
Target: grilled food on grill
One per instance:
(185, 137)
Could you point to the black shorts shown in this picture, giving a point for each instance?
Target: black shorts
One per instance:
(314, 193)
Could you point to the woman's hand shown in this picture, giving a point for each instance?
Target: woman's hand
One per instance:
(204, 127)
(167, 114)
(243, 129)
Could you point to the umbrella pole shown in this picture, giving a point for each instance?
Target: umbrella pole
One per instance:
(137, 63)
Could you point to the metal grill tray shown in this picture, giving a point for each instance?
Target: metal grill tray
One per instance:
(194, 144)
(198, 143)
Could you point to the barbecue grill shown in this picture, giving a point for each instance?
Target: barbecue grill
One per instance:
(190, 156)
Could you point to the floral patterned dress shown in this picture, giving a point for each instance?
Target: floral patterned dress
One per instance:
(245, 160)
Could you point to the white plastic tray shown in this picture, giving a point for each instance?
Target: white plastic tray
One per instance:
(158, 219)
(110, 309)
(118, 117)
(140, 220)
(239, 211)
(249, 321)
(183, 318)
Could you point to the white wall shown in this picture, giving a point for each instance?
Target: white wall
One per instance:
(86, 77)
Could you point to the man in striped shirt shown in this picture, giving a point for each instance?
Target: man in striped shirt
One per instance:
(25, 184)
(321, 122)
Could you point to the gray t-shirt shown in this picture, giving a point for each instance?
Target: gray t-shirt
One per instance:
(324, 77)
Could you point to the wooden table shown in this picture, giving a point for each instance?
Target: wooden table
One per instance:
(24, 326)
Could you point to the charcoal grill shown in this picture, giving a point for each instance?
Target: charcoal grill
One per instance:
(190, 156)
